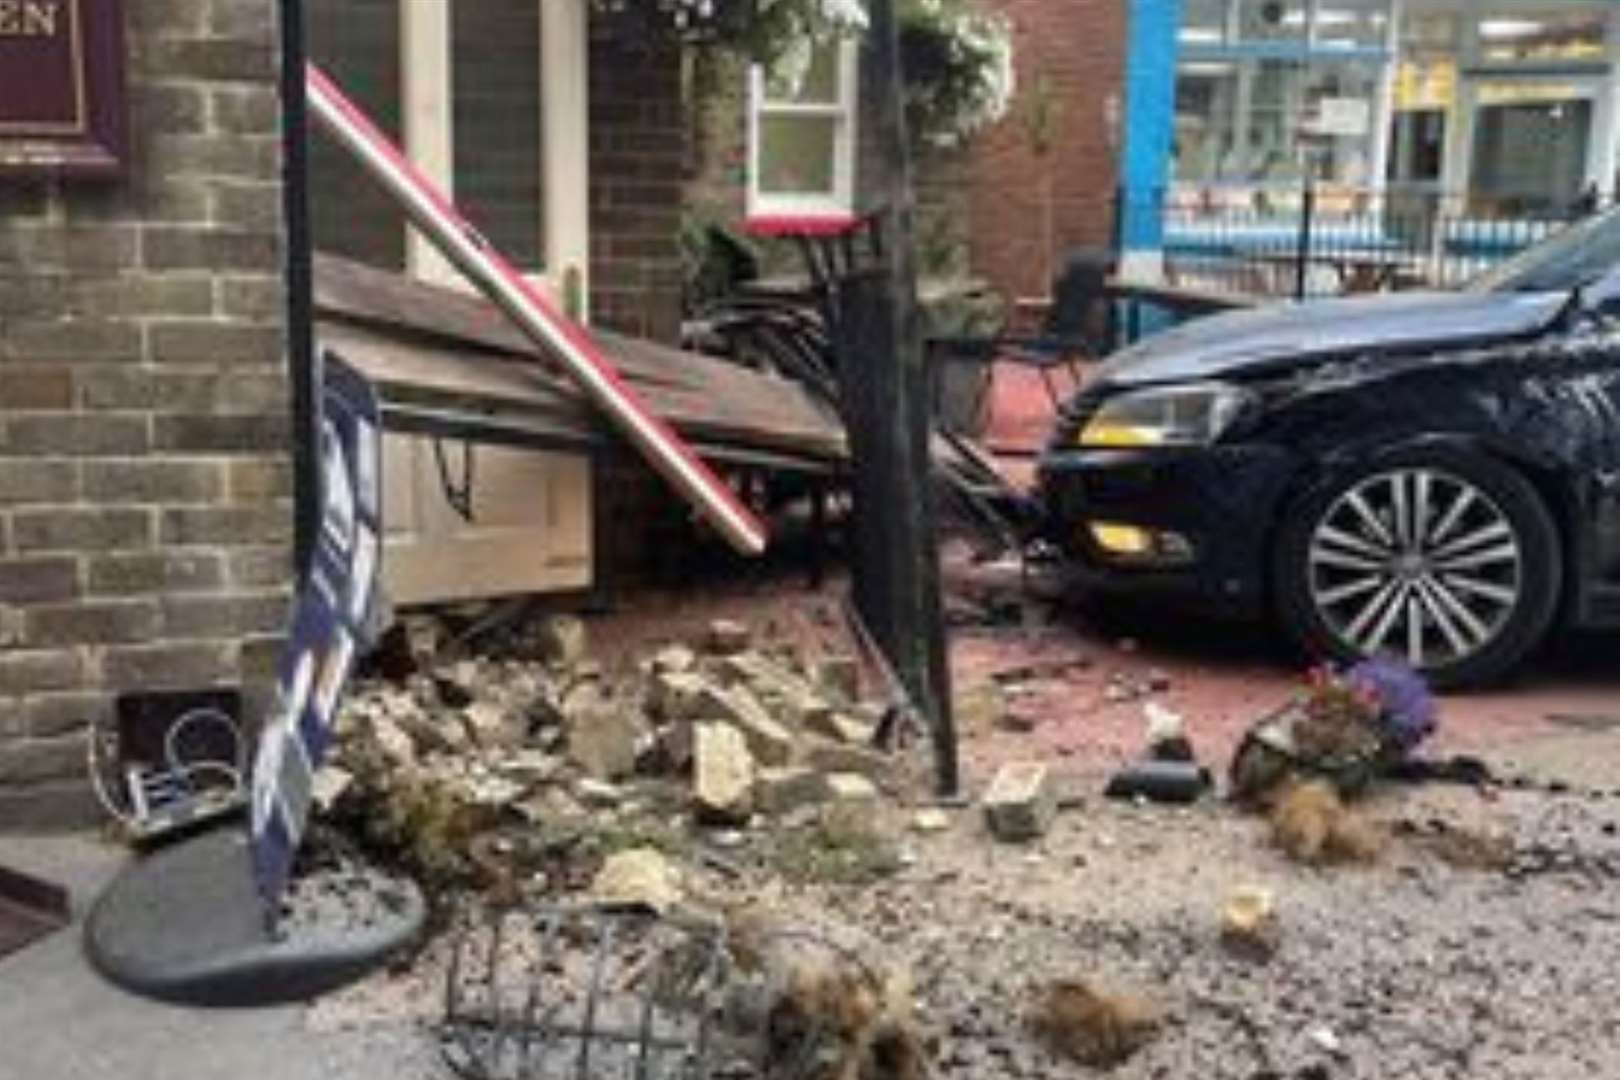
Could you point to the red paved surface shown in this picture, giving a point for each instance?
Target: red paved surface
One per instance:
(1220, 677)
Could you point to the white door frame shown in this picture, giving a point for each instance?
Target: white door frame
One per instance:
(428, 122)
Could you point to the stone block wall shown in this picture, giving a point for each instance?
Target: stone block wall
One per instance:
(145, 468)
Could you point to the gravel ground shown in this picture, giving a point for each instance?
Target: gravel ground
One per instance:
(1408, 969)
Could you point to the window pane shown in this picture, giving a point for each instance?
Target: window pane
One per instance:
(1349, 24)
(1530, 156)
(357, 43)
(1205, 97)
(495, 76)
(1204, 22)
(806, 74)
(796, 155)
(1271, 20)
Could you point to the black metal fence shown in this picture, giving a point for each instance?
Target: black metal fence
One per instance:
(1326, 241)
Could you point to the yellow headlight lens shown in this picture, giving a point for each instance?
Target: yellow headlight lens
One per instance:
(1121, 539)
(1111, 433)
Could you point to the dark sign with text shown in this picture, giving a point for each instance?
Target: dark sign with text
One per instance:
(331, 624)
(62, 108)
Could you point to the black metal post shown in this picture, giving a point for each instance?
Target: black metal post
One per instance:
(301, 359)
(885, 387)
(1307, 211)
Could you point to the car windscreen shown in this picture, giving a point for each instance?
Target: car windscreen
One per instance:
(1570, 258)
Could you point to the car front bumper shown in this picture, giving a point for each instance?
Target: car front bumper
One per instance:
(1209, 511)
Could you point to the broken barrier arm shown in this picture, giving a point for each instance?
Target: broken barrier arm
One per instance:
(432, 212)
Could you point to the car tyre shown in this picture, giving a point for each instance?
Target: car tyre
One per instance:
(1448, 560)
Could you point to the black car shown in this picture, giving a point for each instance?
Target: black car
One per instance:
(1434, 475)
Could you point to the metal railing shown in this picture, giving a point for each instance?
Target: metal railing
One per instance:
(1313, 241)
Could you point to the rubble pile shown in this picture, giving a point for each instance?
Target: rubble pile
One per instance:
(534, 741)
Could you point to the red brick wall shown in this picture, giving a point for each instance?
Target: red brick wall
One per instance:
(638, 156)
(1079, 46)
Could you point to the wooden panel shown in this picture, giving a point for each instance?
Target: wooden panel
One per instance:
(703, 398)
(530, 533)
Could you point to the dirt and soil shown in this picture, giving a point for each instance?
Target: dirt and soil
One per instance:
(1481, 942)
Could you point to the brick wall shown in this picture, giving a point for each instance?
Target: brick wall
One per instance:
(637, 156)
(144, 468)
(1079, 46)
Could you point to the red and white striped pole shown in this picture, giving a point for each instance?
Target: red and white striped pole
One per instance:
(432, 212)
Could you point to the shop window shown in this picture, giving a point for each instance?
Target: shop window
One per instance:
(802, 131)
(1204, 22)
(495, 79)
(1511, 34)
(357, 43)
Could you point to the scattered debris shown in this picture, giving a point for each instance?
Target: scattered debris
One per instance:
(723, 775)
(1019, 805)
(1166, 734)
(728, 637)
(978, 706)
(1160, 781)
(850, 788)
(780, 791)
(1249, 920)
(931, 820)
(562, 639)
(640, 878)
(1311, 823)
(1080, 1021)
(1462, 847)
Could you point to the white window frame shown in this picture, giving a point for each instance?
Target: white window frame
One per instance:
(428, 115)
(776, 212)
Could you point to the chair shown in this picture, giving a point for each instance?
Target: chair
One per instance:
(1078, 323)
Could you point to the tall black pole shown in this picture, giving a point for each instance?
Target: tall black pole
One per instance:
(298, 282)
(885, 380)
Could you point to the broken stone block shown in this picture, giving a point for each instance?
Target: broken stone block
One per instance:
(1019, 803)
(603, 736)
(722, 775)
(327, 786)
(767, 740)
(674, 660)
(392, 741)
(727, 637)
(850, 788)
(529, 767)
(676, 695)
(638, 878)
(562, 639)
(781, 791)
(931, 820)
(839, 677)
(841, 757)
(1249, 920)
(494, 727)
(843, 728)
(598, 793)
(978, 707)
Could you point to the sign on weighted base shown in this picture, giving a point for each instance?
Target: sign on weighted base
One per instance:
(331, 624)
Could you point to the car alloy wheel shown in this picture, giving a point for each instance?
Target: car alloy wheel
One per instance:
(1417, 562)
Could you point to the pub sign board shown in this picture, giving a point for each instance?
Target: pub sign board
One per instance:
(63, 110)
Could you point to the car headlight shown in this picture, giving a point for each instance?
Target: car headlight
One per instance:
(1192, 414)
